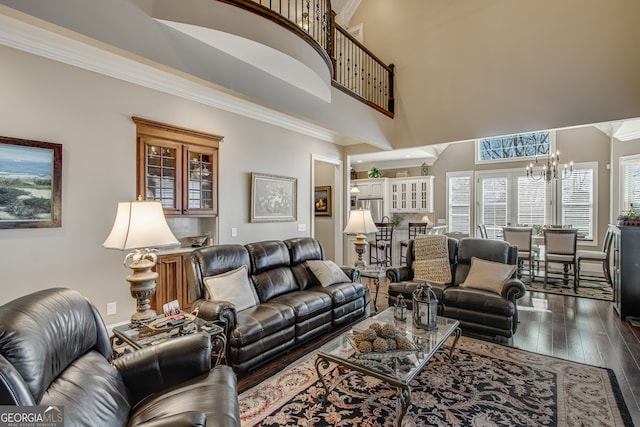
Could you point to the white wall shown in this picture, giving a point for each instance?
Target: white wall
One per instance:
(472, 69)
(90, 115)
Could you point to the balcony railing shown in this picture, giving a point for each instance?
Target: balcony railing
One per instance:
(356, 71)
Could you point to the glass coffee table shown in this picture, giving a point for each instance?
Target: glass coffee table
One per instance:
(397, 368)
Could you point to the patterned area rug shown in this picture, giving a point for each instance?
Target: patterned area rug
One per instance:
(490, 385)
(594, 290)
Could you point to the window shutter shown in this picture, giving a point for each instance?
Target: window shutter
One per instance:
(577, 201)
(494, 205)
(459, 220)
(630, 176)
(532, 201)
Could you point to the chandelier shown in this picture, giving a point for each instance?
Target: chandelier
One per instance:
(550, 170)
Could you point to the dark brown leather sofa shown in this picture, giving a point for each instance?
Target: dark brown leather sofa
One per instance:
(55, 351)
(293, 307)
(480, 312)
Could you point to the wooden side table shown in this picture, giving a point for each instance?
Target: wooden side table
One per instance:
(138, 335)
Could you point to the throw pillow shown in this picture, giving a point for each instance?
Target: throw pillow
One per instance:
(232, 286)
(327, 272)
(488, 275)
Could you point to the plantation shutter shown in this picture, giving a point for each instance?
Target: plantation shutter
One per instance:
(532, 201)
(459, 220)
(630, 176)
(577, 201)
(494, 205)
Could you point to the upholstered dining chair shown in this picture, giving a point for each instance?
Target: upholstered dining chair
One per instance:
(415, 228)
(380, 248)
(560, 248)
(527, 251)
(602, 257)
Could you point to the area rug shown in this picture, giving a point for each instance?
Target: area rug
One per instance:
(593, 290)
(489, 385)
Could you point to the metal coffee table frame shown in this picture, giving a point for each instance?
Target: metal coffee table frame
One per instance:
(395, 370)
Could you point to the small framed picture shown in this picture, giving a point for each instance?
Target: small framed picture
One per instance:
(322, 200)
(30, 183)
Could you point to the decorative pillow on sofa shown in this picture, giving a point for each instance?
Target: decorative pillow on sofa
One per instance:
(488, 275)
(232, 286)
(327, 272)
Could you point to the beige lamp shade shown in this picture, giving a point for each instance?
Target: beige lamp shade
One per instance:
(360, 222)
(140, 224)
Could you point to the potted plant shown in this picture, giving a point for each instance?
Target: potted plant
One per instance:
(374, 172)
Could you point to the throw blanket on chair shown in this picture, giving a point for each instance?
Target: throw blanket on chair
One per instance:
(431, 258)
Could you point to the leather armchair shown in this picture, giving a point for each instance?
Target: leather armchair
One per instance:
(401, 278)
(479, 311)
(55, 351)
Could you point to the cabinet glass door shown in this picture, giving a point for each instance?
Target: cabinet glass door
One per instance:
(161, 170)
(200, 192)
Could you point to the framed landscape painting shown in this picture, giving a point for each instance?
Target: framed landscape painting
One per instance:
(273, 198)
(30, 183)
(322, 200)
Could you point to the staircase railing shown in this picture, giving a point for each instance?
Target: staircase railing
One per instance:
(356, 71)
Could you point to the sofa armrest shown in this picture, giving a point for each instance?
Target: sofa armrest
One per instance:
(222, 311)
(186, 419)
(514, 289)
(158, 367)
(399, 274)
(352, 272)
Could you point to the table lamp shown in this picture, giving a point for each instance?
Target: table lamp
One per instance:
(140, 226)
(360, 223)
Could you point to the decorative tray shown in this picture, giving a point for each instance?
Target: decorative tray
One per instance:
(362, 350)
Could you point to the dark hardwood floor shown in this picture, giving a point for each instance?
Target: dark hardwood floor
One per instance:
(578, 329)
(586, 331)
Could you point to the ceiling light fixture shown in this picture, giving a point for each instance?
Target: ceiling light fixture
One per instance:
(549, 170)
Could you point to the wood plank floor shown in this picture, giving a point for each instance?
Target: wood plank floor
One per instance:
(586, 331)
(578, 329)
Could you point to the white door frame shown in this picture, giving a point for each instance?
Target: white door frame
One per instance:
(337, 200)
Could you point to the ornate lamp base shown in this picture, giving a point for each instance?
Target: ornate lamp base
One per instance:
(143, 286)
(361, 247)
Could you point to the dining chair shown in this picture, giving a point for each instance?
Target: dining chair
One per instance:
(602, 257)
(415, 228)
(560, 248)
(483, 231)
(527, 251)
(380, 248)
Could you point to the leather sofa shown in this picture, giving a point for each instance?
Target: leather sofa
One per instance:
(55, 351)
(292, 308)
(480, 312)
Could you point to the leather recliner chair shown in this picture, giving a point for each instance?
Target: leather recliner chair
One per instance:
(55, 351)
(479, 311)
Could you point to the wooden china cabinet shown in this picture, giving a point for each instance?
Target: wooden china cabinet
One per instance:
(179, 168)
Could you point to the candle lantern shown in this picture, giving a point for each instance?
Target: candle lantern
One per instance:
(425, 308)
(400, 309)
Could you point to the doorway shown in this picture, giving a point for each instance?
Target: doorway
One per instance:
(326, 176)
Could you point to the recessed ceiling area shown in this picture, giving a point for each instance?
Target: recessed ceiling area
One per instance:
(409, 157)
